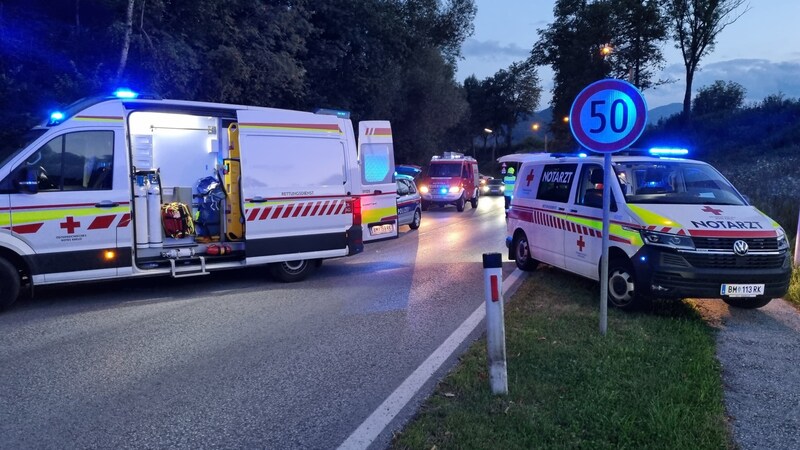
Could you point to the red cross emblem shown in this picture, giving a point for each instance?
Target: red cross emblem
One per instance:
(711, 210)
(581, 243)
(70, 225)
(529, 177)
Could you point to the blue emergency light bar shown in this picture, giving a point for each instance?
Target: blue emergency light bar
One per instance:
(56, 117)
(333, 112)
(660, 151)
(125, 93)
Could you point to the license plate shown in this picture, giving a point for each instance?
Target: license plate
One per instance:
(741, 290)
(381, 229)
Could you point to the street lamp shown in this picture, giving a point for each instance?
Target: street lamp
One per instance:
(535, 127)
(606, 50)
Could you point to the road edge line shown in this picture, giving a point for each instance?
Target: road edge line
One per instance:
(374, 425)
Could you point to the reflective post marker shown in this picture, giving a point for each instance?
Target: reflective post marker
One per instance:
(495, 325)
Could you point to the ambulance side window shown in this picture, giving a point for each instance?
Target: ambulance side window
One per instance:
(590, 189)
(70, 162)
(556, 182)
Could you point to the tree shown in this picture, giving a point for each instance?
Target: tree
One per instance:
(720, 97)
(640, 27)
(695, 27)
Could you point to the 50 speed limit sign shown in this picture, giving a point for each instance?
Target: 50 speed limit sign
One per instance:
(608, 116)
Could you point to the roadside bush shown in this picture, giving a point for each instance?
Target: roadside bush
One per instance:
(794, 287)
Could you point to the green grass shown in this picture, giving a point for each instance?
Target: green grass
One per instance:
(652, 382)
(794, 287)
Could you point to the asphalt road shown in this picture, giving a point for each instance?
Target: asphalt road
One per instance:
(235, 359)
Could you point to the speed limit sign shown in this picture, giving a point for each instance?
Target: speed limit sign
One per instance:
(608, 116)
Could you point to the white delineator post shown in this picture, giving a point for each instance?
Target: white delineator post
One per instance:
(495, 323)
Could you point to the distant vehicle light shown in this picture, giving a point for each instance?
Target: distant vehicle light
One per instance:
(125, 93)
(424, 189)
(657, 151)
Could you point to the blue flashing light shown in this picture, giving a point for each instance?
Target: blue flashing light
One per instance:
(333, 112)
(443, 190)
(643, 258)
(659, 151)
(125, 93)
(582, 155)
(56, 116)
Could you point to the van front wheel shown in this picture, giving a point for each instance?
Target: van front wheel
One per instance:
(9, 284)
(460, 203)
(522, 254)
(622, 285)
(291, 271)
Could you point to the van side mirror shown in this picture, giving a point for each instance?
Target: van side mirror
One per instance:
(27, 180)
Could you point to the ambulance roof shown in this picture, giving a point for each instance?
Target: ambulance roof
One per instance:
(573, 158)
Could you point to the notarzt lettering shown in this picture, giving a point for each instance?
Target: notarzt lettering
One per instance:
(727, 225)
(557, 177)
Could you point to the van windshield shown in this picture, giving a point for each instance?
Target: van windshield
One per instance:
(675, 182)
(444, 170)
(11, 147)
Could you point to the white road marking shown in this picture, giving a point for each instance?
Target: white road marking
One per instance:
(368, 431)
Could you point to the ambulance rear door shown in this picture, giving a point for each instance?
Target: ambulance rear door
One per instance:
(378, 188)
(294, 184)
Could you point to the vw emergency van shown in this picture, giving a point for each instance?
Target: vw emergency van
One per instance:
(678, 229)
(130, 186)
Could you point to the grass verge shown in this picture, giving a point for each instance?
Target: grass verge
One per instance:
(794, 287)
(652, 382)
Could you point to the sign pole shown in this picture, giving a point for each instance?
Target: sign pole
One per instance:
(605, 233)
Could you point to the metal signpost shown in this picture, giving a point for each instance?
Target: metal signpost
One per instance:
(606, 117)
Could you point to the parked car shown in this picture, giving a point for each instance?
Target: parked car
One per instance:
(409, 203)
(495, 186)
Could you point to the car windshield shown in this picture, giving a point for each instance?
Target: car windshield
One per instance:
(11, 147)
(675, 182)
(495, 181)
(445, 170)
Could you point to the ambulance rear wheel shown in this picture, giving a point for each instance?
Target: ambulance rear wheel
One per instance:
(747, 303)
(522, 253)
(416, 220)
(9, 284)
(622, 285)
(291, 271)
(460, 203)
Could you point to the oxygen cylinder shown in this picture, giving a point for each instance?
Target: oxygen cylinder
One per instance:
(155, 232)
(140, 211)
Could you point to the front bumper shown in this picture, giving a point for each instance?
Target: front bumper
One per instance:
(442, 198)
(667, 274)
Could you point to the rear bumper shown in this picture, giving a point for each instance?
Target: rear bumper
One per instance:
(662, 273)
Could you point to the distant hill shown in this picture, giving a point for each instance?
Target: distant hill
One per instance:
(662, 112)
(543, 118)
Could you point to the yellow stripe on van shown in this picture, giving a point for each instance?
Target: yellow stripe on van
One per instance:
(616, 230)
(375, 215)
(24, 217)
(651, 218)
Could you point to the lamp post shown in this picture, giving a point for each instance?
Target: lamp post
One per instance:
(489, 131)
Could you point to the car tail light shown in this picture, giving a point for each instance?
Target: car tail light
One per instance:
(356, 211)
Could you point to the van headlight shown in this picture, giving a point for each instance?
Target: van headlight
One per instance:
(455, 189)
(424, 189)
(783, 241)
(667, 240)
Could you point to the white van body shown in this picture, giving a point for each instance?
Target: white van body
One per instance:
(292, 191)
(678, 229)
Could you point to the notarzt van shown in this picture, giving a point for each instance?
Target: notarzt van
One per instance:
(128, 186)
(678, 229)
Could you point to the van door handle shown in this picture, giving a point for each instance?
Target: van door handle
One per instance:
(573, 210)
(258, 200)
(560, 208)
(106, 204)
(377, 191)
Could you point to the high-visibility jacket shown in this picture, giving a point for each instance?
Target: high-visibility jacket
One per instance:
(509, 181)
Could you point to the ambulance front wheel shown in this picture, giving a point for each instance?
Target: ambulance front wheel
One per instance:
(291, 271)
(522, 253)
(474, 200)
(622, 285)
(747, 303)
(9, 284)
(460, 203)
